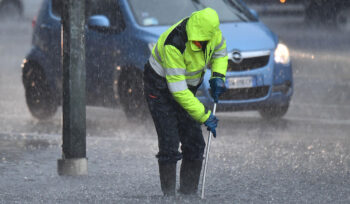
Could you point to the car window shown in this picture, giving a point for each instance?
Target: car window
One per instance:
(108, 8)
(56, 7)
(168, 12)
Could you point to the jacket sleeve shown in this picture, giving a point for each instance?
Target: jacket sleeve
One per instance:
(175, 70)
(219, 59)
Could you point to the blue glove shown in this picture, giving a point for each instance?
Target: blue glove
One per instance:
(218, 87)
(211, 123)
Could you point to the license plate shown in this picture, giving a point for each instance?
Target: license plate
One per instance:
(239, 82)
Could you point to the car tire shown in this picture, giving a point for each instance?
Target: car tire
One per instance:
(131, 94)
(274, 112)
(342, 19)
(313, 12)
(41, 100)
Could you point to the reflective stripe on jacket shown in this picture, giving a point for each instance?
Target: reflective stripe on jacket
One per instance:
(183, 64)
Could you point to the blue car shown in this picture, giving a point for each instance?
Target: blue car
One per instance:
(119, 37)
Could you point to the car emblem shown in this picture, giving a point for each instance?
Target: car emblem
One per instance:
(237, 57)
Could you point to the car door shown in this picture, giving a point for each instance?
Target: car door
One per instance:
(103, 51)
(47, 37)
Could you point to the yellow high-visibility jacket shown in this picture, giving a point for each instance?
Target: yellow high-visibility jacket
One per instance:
(183, 63)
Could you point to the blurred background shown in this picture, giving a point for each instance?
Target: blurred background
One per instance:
(310, 143)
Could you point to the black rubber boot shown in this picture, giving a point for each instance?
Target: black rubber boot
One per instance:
(189, 176)
(167, 174)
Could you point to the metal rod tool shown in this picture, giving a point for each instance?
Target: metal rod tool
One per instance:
(207, 156)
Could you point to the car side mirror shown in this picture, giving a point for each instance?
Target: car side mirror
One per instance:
(99, 23)
(254, 13)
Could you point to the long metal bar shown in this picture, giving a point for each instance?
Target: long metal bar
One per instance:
(73, 61)
(207, 156)
(74, 161)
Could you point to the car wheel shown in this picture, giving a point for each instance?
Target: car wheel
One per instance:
(342, 19)
(131, 94)
(311, 12)
(10, 10)
(40, 99)
(319, 12)
(274, 112)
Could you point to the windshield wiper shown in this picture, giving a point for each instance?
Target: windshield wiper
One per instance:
(197, 4)
(241, 11)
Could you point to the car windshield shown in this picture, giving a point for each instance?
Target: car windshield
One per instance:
(168, 12)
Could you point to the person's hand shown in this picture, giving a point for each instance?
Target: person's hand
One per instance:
(218, 87)
(211, 123)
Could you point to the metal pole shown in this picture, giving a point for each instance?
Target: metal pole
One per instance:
(74, 161)
(207, 156)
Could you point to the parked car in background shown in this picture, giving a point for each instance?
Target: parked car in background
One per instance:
(119, 37)
(329, 12)
(10, 9)
(336, 12)
(278, 7)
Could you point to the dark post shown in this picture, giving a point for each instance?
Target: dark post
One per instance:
(74, 161)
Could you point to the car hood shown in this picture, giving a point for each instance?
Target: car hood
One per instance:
(252, 36)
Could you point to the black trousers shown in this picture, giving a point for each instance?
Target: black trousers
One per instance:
(173, 124)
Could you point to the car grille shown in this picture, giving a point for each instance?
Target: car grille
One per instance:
(248, 63)
(245, 93)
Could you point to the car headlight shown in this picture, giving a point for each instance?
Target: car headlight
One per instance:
(151, 45)
(282, 54)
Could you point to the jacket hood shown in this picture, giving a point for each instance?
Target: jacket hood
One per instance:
(202, 25)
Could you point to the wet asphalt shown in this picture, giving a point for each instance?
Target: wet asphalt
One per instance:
(302, 158)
